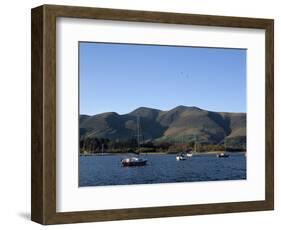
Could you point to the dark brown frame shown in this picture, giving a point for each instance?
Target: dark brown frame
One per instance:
(43, 189)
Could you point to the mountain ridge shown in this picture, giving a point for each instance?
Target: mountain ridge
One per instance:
(181, 122)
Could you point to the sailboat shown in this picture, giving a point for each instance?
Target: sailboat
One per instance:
(180, 156)
(223, 154)
(194, 148)
(135, 161)
(190, 154)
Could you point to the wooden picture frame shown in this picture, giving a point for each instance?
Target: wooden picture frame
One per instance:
(43, 202)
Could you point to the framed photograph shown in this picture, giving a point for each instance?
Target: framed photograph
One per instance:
(140, 114)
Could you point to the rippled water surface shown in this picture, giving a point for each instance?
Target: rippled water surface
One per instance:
(161, 168)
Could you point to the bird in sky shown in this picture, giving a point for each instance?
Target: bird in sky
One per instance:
(185, 75)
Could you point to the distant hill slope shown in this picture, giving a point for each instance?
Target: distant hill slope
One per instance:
(181, 123)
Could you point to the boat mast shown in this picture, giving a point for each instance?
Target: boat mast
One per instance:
(138, 133)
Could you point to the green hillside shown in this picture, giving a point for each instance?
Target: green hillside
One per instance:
(179, 125)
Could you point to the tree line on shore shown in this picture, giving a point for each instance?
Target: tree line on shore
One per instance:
(105, 145)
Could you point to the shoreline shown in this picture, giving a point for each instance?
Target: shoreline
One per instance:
(159, 153)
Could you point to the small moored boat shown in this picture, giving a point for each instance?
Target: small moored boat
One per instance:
(222, 155)
(180, 157)
(135, 161)
(194, 150)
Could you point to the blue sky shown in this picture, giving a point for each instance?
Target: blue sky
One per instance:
(123, 77)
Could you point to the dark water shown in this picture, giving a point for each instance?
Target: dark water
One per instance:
(161, 168)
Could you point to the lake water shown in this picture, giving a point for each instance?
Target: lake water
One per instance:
(160, 168)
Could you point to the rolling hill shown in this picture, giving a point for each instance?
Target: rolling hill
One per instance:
(180, 123)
